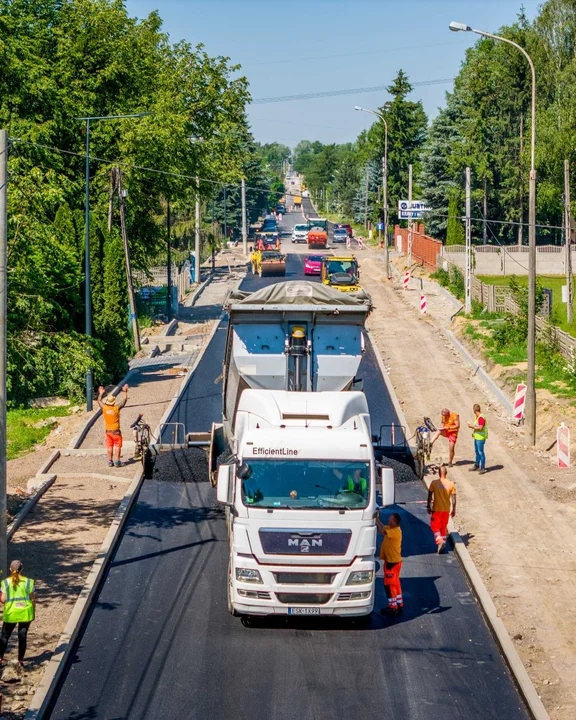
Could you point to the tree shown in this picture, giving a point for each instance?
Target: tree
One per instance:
(455, 233)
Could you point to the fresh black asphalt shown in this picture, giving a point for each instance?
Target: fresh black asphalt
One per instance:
(159, 642)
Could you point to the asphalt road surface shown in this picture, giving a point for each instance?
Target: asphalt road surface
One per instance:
(159, 642)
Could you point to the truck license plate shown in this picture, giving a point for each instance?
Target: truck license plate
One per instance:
(304, 611)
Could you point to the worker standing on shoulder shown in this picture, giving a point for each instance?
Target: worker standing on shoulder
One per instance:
(441, 504)
(449, 429)
(17, 594)
(391, 555)
(480, 434)
(111, 414)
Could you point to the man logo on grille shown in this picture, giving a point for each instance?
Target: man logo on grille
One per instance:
(304, 544)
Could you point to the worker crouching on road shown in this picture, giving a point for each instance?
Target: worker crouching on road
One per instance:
(111, 414)
(441, 504)
(17, 594)
(449, 429)
(391, 555)
(480, 434)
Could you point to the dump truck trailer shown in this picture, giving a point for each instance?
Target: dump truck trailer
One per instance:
(293, 460)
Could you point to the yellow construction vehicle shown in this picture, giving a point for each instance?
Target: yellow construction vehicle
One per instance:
(268, 262)
(341, 273)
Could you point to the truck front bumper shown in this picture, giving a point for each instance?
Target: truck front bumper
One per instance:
(274, 597)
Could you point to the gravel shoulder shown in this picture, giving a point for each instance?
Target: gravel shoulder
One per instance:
(518, 520)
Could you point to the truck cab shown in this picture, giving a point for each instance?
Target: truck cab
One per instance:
(301, 496)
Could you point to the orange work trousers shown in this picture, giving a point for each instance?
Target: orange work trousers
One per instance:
(439, 524)
(392, 585)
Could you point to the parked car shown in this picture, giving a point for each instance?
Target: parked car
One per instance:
(300, 234)
(313, 265)
(340, 235)
(346, 227)
(280, 209)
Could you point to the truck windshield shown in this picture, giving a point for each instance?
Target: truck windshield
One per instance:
(310, 484)
(338, 266)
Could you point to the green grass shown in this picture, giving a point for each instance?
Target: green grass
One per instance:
(554, 282)
(22, 435)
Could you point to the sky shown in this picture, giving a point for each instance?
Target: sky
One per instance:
(308, 46)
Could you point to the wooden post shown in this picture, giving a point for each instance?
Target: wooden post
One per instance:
(568, 242)
(131, 298)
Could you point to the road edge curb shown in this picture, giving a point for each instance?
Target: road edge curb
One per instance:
(47, 482)
(487, 381)
(50, 678)
(499, 631)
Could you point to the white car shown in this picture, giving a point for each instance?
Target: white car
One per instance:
(300, 234)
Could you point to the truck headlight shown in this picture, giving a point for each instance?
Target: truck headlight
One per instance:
(360, 577)
(248, 575)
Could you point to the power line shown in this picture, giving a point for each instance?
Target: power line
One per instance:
(334, 93)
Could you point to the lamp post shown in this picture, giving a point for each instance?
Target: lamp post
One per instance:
(384, 177)
(88, 299)
(531, 387)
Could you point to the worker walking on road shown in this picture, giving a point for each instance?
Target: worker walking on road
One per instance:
(441, 504)
(480, 434)
(17, 594)
(111, 414)
(449, 429)
(391, 555)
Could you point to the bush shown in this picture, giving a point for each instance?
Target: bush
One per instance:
(441, 276)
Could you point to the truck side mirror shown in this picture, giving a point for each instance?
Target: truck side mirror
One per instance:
(223, 483)
(388, 486)
(358, 384)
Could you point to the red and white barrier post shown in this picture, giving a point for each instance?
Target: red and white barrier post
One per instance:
(423, 309)
(348, 243)
(519, 401)
(406, 279)
(360, 243)
(563, 446)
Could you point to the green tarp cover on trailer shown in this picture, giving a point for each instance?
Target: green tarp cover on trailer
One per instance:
(298, 292)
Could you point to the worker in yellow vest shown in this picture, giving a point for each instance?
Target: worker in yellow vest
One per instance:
(480, 434)
(17, 594)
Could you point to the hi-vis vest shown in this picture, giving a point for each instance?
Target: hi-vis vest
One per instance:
(483, 433)
(18, 606)
(351, 485)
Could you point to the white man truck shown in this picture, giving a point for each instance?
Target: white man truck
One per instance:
(297, 469)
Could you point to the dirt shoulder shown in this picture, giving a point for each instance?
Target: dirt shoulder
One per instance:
(518, 520)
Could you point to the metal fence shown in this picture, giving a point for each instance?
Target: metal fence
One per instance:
(158, 276)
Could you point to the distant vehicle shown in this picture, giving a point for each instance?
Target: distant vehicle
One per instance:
(280, 209)
(313, 265)
(297, 200)
(340, 235)
(300, 234)
(346, 227)
(317, 233)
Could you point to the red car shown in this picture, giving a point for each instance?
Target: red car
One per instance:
(313, 265)
(345, 226)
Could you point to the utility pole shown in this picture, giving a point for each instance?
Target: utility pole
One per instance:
(410, 219)
(485, 222)
(521, 194)
(169, 269)
(244, 228)
(385, 201)
(197, 276)
(568, 242)
(468, 302)
(366, 201)
(225, 222)
(3, 323)
(131, 300)
(213, 238)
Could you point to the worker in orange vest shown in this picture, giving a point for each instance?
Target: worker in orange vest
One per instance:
(449, 429)
(441, 504)
(391, 555)
(111, 413)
